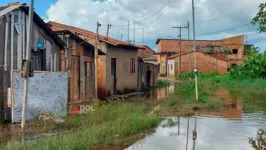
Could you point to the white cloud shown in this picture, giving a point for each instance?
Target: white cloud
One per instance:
(211, 16)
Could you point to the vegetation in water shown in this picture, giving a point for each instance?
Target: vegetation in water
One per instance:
(110, 122)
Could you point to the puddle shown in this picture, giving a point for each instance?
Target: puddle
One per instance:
(233, 129)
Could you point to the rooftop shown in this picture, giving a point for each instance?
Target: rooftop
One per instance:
(59, 26)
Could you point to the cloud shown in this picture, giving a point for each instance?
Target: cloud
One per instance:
(211, 16)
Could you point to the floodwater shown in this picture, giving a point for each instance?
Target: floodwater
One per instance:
(234, 129)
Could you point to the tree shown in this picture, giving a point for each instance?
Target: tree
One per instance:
(260, 18)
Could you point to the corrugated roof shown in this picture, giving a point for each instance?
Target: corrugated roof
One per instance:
(79, 40)
(10, 7)
(59, 26)
(36, 18)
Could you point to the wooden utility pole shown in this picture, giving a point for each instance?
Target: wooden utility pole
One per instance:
(195, 60)
(143, 36)
(134, 34)
(96, 58)
(128, 33)
(107, 32)
(179, 64)
(27, 66)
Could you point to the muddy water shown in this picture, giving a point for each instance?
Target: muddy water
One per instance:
(231, 129)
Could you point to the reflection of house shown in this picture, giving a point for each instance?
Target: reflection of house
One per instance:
(117, 70)
(79, 60)
(45, 94)
(234, 110)
(230, 51)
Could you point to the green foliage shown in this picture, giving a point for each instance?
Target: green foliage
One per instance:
(162, 83)
(255, 67)
(110, 121)
(260, 18)
(252, 51)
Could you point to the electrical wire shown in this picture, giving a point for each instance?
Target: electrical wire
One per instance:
(145, 18)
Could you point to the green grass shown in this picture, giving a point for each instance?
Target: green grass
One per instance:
(110, 121)
(215, 80)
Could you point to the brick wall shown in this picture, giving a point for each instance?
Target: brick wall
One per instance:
(205, 63)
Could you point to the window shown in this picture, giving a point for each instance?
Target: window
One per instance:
(132, 65)
(171, 66)
(235, 51)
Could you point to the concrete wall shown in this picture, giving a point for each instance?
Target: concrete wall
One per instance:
(171, 67)
(205, 63)
(125, 79)
(47, 94)
(163, 63)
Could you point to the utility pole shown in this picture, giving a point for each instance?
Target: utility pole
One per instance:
(27, 66)
(128, 33)
(134, 34)
(108, 28)
(143, 36)
(96, 58)
(194, 41)
(189, 61)
(179, 64)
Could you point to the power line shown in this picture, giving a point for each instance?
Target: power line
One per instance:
(225, 29)
(147, 17)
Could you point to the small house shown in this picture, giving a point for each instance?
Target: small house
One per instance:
(117, 70)
(48, 87)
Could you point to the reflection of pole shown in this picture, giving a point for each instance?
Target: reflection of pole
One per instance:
(187, 132)
(195, 131)
(178, 125)
(195, 63)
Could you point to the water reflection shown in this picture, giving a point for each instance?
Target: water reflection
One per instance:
(161, 93)
(237, 127)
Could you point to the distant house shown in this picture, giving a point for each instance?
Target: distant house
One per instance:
(149, 66)
(78, 60)
(230, 50)
(48, 87)
(118, 69)
(145, 51)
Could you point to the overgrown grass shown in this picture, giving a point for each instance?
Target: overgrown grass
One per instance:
(216, 80)
(110, 121)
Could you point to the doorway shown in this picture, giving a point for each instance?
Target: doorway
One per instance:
(113, 76)
(148, 78)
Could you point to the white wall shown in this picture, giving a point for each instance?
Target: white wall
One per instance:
(47, 94)
(171, 67)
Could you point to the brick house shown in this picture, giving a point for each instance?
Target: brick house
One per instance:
(145, 51)
(230, 50)
(117, 70)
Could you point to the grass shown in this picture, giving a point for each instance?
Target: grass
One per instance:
(216, 80)
(119, 123)
(110, 121)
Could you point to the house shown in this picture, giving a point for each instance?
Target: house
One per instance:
(48, 86)
(230, 50)
(78, 60)
(145, 51)
(117, 70)
(149, 66)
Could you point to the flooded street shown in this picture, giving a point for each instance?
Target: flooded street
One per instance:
(231, 129)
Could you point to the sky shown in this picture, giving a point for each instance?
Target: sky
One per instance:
(214, 19)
